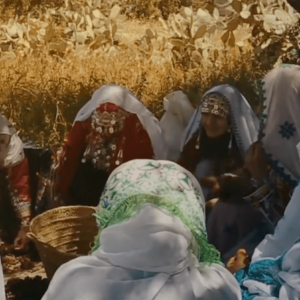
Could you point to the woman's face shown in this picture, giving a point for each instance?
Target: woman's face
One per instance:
(214, 126)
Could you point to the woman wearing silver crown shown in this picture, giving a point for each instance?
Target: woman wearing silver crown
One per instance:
(217, 141)
(219, 134)
(112, 128)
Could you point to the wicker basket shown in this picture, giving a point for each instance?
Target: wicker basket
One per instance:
(62, 234)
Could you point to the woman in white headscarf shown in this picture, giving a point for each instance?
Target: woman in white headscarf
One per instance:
(14, 172)
(274, 271)
(178, 111)
(112, 128)
(151, 245)
(219, 134)
(218, 139)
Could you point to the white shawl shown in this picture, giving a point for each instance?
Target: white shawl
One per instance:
(178, 111)
(282, 104)
(11, 152)
(144, 258)
(283, 247)
(123, 98)
(245, 124)
(280, 132)
(284, 271)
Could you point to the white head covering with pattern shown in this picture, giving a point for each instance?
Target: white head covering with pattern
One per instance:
(11, 146)
(244, 122)
(280, 252)
(281, 140)
(178, 111)
(280, 130)
(147, 255)
(123, 98)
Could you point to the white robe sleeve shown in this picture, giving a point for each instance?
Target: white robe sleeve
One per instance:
(286, 232)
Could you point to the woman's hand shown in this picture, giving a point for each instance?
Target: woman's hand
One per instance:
(22, 240)
(238, 262)
(256, 162)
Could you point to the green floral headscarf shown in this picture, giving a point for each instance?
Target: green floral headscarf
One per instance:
(161, 183)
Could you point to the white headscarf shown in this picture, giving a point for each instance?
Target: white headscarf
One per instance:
(123, 98)
(286, 232)
(11, 152)
(145, 257)
(280, 131)
(245, 124)
(281, 253)
(274, 278)
(282, 91)
(178, 111)
(155, 243)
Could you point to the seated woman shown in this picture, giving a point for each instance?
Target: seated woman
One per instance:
(152, 242)
(225, 135)
(219, 134)
(178, 111)
(245, 224)
(15, 197)
(112, 128)
(274, 271)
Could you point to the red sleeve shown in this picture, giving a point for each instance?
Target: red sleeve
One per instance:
(20, 188)
(138, 144)
(70, 158)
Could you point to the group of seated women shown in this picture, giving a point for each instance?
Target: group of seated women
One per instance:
(157, 240)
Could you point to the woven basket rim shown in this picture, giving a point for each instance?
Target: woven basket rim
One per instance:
(53, 257)
(53, 210)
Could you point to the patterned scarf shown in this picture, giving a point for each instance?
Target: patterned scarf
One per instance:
(161, 183)
(280, 122)
(244, 122)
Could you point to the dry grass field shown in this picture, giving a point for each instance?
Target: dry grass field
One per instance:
(54, 54)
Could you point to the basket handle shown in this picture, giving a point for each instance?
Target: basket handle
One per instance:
(32, 236)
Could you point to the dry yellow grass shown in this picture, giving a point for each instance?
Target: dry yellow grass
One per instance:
(41, 93)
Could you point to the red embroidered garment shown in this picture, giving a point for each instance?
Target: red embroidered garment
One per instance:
(19, 188)
(110, 137)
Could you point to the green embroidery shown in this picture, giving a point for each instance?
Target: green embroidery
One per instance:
(132, 205)
(165, 185)
(286, 65)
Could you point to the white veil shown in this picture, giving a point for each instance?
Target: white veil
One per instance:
(178, 111)
(245, 123)
(123, 98)
(280, 131)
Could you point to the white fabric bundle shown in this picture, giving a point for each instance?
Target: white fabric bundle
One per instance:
(123, 98)
(11, 151)
(178, 111)
(145, 258)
